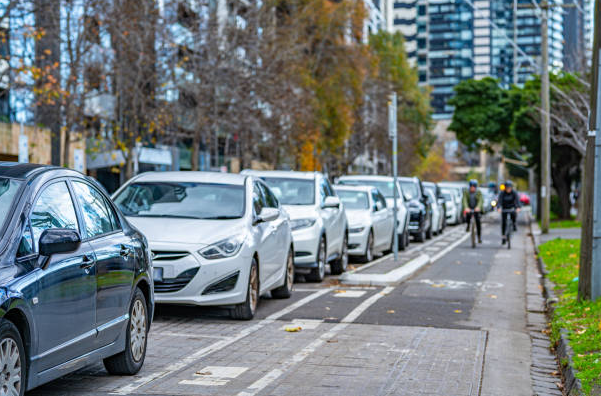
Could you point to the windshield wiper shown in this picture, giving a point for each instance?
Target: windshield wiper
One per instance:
(169, 216)
(220, 217)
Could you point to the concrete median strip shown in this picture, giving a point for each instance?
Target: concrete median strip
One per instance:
(400, 274)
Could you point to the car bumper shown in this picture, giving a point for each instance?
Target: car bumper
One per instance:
(210, 273)
(416, 223)
(306, 244)
(357, 242)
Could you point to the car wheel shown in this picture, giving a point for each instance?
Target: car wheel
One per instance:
(429, 233)
(130, 361)
(402, 241)
(369, 248)
(407, 238)
(12, 361)
(341, 263)
(246, 310)
(317, 274)
(285, 291)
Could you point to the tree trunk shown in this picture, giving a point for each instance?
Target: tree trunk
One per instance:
(195, 152)
(583, 183)
(586, 236)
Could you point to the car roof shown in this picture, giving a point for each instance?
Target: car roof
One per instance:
(429, 184)
(366, 177)
(18, 170)
(193, 177)
(411, 179)
(354, 188)
(281, 174)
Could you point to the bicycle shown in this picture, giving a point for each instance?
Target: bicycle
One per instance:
(472, 226)
(508, 226)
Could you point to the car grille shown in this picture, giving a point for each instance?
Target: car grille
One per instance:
(159, 255)
(415, 216)
(172, 285)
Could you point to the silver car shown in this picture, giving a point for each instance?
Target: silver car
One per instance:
(371, 222)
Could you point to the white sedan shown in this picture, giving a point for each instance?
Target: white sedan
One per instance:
(216, 239)
(371, 222)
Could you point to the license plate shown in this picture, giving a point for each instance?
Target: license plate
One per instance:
(157, 274)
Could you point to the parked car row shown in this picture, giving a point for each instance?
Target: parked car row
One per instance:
(81, 271)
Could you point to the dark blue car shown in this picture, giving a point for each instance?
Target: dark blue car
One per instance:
(75, 279)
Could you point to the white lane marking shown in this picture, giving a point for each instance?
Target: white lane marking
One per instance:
(305, 324)
(172, 368)
(458, 285)
(301, 355)
(214, 375)
(187, 335)
(412, 249)
(450, 247)
(349, 293)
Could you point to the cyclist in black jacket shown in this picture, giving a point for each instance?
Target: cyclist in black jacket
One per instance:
(508, 199)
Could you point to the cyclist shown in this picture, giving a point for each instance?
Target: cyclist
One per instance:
(473, 202)
(508, 203)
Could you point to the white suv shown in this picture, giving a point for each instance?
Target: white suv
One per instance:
(317, 218)
(384, 184)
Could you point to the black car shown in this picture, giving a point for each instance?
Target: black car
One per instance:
(420, 213)
(75, 279)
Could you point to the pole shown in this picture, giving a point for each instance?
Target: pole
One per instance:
(392, 130)
(545, 121)
(515, 41)
(595, 125)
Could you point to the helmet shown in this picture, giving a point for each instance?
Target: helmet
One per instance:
(473, 183)
(508, 183)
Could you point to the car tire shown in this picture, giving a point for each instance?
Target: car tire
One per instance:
(10, 344)
(130, 361)
(340, 265)
(285, 291)
(429, 233)
(421, 237)
(369, 248)
(402, 240)
(247, 310)
(319, 273)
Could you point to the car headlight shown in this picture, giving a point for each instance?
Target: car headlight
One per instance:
(225, 248)
(356, 230)
(301, 223)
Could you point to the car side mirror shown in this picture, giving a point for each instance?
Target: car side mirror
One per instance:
(331, 202)
(58, 240)
(267, 215)
(425, 198)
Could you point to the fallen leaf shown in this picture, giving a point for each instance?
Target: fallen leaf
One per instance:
(204, 373)
(493, 296)
(332, 341)
(458, 311)
(327, 308)
(293, 329)
(555, 373)
(339, 291)
(517, 272)
(390, 311)
(437, 285)
(457, 262)
(479, 262)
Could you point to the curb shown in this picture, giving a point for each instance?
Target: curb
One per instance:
(393, 277)
(572, 385)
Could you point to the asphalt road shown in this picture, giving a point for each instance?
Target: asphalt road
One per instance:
(454, 328)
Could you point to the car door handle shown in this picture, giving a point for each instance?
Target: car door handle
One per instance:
(125, 251)
(87, 263)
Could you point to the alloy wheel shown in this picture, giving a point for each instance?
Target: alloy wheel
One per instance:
(10, 363)
(253, 289)
(290, 271)
(344, 258)
(369, 250)
(322, 258)
(137, 330)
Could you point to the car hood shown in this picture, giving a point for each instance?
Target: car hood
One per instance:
(300, 211)
(190, 231)
(390, 202)
(358, 217)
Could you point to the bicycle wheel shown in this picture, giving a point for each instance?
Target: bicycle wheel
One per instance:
(473, 231)
(509, 229)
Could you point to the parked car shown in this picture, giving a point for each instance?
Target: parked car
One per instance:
(76, 283)
(453, 209)
(488, 196)
(439, 203)
(420, 211)
(437, 212)
(385, 185)
(524, 199)
(216, 238)
(371, 222)
(318, 220)
(457, 188)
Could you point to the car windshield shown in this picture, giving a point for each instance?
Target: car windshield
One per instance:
(8, 191)
(410, 189)
(292, 191)
(384, 187)
(182, 200)
(431, 189)
(353, 199)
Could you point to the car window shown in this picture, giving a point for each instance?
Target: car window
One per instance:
(384, 186)
(258, 199)
(53, 209)
(328, 188)
(381, 199)
(270, 200)
(97, 215)
(374, 198)
(323, 191)
(411, 189)
(292, 191)
(26, 245)
(354, 199)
